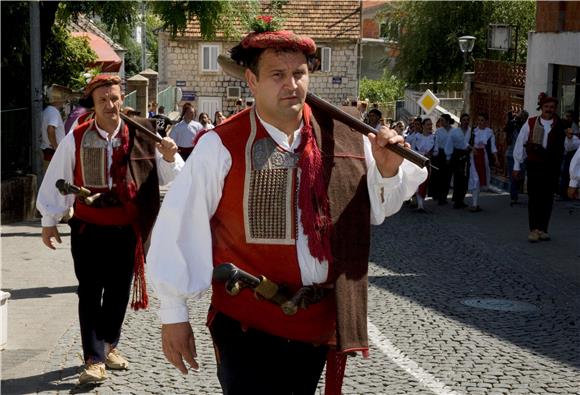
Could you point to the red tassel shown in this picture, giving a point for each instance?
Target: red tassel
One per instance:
(140, 299)
(126, 190)
(335, 367)
(312, 196)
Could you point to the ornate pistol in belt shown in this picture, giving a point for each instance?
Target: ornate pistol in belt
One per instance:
(66, 188)
(236, 279)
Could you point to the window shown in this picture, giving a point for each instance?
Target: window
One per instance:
(566, 88)
(322, 59)
(390, 31)
(209, 54)
(233, 92)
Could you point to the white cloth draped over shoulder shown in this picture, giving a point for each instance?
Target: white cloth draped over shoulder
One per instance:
(180, 257)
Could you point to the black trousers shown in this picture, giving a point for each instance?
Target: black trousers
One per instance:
(441, 178)
(460, 176)
(103, 261)
(540, 196)
(254, 362)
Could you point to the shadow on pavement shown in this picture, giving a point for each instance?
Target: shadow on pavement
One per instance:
(440, 260)
(48, 381)
(40, 292)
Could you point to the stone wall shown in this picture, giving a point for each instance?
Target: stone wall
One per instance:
(179, 60)
(18, 198)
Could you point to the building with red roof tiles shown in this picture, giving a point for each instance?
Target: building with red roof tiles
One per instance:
(189, 62)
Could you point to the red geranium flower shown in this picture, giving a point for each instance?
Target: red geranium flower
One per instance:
(266, 18)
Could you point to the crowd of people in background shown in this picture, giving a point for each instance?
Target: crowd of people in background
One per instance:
(463, 155)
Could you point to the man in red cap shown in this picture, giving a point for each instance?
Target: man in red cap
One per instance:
(122, 169)
(280, 190)
(541, 145)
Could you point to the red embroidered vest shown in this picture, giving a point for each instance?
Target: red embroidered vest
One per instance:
(91, 171)
(255, 225)
(555, 145)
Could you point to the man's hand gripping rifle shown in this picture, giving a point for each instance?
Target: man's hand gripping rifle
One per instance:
(236, 279)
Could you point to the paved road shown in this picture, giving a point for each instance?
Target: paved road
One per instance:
(425, 339)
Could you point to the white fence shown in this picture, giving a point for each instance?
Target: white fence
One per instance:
(447, 105)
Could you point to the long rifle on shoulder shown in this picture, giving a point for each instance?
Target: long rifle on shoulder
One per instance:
(234, 70)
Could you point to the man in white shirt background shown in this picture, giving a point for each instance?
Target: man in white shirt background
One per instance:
(123, 170)
(374, 117)
(52, 124)
(185, 131)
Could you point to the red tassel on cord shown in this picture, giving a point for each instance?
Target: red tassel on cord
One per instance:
(335, 366)
(140, 299)
(312, 196)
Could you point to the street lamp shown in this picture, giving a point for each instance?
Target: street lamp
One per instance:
(466, 44)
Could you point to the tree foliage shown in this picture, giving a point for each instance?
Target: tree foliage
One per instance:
(65, 57)
(213, 16)
(119, 18)
(15, 54)
(429, 32)
(388, 89)
(521, 14)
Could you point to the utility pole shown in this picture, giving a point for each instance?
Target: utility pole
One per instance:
(35, 89)
(143, 38)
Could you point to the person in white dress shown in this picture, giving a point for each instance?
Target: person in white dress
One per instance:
(574, 170)
(424, 144)
(483, 148)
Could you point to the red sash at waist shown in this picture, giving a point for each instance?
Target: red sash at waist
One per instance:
(106, 216)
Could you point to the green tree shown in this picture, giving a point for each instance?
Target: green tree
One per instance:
(388, 89)
(521, 14)
(429, 32)
(119, 19)
(65, 57)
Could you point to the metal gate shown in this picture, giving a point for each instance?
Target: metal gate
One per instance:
(498, 88)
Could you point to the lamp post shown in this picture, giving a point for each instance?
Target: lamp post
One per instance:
(466, 44)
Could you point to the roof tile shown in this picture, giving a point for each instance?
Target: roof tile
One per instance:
(318, 19)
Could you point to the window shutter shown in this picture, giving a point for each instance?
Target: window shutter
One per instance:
(206, 58)
(209, 55)
(214, 55)
(325, 61)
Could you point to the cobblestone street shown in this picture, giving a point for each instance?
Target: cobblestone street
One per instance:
(426, 273)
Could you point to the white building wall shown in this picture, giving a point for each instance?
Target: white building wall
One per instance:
(545, 50)
(179, 61)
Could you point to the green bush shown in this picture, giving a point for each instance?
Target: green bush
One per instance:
(65, 57)
(388, 89)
